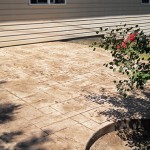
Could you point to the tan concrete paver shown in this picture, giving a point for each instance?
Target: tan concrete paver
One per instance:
(17, 124)
(46, 121)
(49, 110)
(22, 88)
(45, 83)
(41, 99)
(57, 143)
(76, 135)
(59, 93)
(78, 83)
(48, 118)
(9, 72)
(33, 130)
(94, 115)
(80, 118)
(55, 127)
(7, 97)
(29, 112)
(69, 106)
(84, 100)
(92, 125)
(62, 77)
(71, 88)
(18, 137)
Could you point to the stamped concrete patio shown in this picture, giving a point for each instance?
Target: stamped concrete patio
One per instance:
(46, 100)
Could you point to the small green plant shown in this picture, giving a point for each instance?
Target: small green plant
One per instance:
(130, 50)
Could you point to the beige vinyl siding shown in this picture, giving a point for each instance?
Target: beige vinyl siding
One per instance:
(21, 23)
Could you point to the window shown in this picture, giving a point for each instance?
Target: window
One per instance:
(47, 1)
(145, 1)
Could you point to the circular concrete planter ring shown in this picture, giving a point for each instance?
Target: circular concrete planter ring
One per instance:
(117, 125)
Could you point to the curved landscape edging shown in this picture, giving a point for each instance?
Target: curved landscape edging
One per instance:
(117, 125)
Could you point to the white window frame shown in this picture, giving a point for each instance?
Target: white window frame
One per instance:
(48, 3)
(145, 3)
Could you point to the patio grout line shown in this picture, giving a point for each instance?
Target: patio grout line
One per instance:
(76, 148)
(70, 127)
(77, 115)
(29, 105)
(67, 112)
(70, 100)
(98, 122)
(62, 101)
(53, 133)
(58, 103)
(49, 124)
(65, 140)
(56, 109)
(15, 95)
(76, 78)
(66, 116)
(57, 122)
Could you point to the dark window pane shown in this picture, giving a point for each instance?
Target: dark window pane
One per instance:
(59, 1)
(145, 1)
(42, 1)
(33, 1)
(39, 1)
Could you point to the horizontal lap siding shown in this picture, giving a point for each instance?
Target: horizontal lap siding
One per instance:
(21, 23)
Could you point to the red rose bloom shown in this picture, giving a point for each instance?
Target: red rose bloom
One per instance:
(124, 45)
(130, 38)
(118, 46)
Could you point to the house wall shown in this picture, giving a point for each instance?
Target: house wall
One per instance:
(21, 23)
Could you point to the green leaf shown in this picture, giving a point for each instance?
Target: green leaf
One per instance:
(101, 29)
(120, 69)
(111, 63)
(114, 69)
(97, 32)
(146, 76)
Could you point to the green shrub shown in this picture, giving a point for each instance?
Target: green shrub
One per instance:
(130, 50)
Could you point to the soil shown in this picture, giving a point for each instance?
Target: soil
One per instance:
(124, 140)
(84, 41)
(110, 141)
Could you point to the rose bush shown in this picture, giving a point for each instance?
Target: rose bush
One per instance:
(130, 50)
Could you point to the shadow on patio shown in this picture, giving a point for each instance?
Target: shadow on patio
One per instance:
(120, 107)
(7, 139)
(136, 132)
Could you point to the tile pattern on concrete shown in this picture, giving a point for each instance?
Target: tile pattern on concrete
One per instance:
(44, 99)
